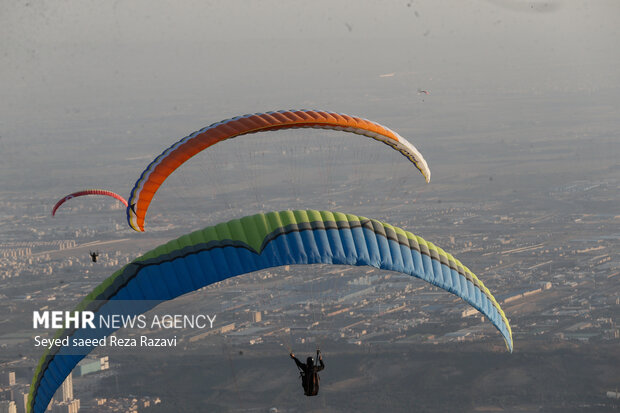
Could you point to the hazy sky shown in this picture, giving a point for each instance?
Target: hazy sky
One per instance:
(84, 48)
(77, 75)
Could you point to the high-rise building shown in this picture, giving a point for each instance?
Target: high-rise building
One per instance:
(67, 388)
(65, 392)
(8, 406)
(105, 363)
(256, 316)
(63, 401)
(21, 401)
(7, 378)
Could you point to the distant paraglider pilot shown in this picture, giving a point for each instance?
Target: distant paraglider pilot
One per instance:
(309, 373)
(94, 255)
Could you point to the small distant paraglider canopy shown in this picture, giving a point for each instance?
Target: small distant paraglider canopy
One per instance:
(88, 192)
(426, 92)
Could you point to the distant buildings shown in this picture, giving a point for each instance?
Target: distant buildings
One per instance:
(522, 293)
(72, 406)
(13, 396)
(63, 401)
(7, 406)
(7, 378)
(256, 316)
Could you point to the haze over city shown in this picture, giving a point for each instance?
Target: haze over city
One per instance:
(519, 126)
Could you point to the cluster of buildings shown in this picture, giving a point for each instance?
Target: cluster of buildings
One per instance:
(14, 396)
(14, 393)
(557, 285)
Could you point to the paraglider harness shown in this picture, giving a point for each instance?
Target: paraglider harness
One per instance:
(94, 255)
(308, 389)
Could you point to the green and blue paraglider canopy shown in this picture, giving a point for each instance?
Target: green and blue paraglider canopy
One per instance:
(250, 244)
